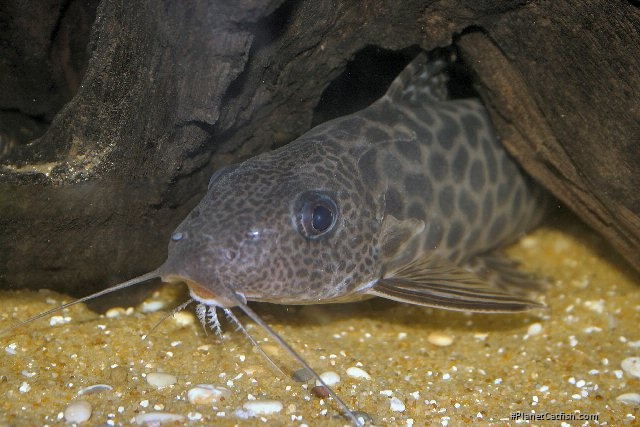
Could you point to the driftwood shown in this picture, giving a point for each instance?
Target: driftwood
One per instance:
(173, 90)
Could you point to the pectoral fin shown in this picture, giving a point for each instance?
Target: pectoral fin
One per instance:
(442, 284)
(503, 273)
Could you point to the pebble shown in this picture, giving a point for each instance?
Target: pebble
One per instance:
(263, 407)
(363, 417)
(204, 394)
(11, 348)
(534, 329)
(355, 372)
(631, 365)
(629, 399)
(114, 312)
(78, 411)
(59, 320)
(320, 391)
(330, 378)
(184, 318)
(95, 389)
(155, 418)
(595, 306)
(160, 379)
(396, 405)
(440, 339)
(194, 416)
(152, 306)
(302, 375)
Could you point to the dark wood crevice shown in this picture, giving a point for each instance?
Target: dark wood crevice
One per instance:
(173, 90)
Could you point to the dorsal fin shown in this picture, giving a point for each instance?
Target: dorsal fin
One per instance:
(423, 81)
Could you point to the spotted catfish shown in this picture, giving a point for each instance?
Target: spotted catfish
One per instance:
(407, 199)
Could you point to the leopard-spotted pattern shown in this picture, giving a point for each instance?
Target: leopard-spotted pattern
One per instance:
(411, 154)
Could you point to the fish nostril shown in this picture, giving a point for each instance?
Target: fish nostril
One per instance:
(230, 255)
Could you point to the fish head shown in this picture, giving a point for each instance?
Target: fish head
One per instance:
(295, 225)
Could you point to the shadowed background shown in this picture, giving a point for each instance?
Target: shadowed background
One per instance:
(113, 115)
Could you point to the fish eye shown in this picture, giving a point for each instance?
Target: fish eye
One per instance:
(316, 214)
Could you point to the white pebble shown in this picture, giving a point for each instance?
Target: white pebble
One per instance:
(396, 405)
(94, 389)
(595, 306)
(631, 365)
(152, 306)
(160, 379)
(205, 394)
(184, 318)
(534, 329)
(59, 320)
(440, 339)
(11, 348)
(355, 372)
(114, 312)
(263, 407)
(155, 418)
(330, 378)
(194, 416)
(77, 412)
(629, 399)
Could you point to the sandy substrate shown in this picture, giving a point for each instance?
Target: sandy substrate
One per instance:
(563, 362)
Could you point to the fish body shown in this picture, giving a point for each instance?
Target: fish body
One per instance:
(403, 200)
(407, 199)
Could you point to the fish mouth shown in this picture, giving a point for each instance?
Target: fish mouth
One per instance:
(201, 293)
